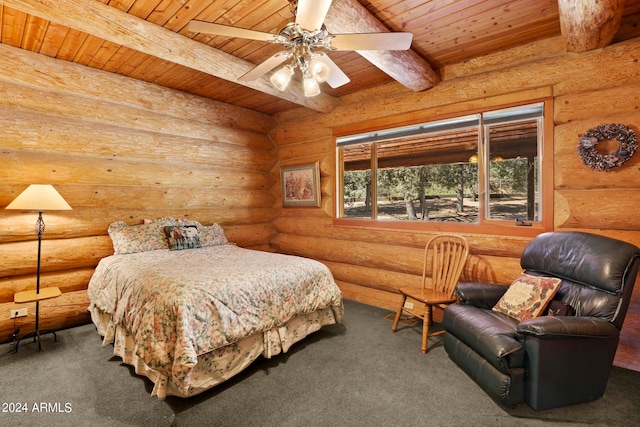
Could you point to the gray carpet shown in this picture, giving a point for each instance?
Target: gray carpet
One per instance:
(355, 374)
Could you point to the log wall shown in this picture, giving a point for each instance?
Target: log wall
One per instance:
(116, 149)
(588, 89)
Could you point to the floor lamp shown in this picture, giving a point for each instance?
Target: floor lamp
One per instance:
(38, 198)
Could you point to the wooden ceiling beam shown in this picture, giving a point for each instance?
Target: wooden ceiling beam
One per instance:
(113, 25)
(589, 24)
(405, 66)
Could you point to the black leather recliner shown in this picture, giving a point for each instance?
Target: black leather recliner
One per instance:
(548, 361)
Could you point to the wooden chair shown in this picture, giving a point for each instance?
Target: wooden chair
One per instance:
(447, 254)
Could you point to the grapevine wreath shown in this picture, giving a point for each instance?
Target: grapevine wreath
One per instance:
(627, 145)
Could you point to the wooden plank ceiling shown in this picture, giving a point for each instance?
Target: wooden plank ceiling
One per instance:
(445, 32)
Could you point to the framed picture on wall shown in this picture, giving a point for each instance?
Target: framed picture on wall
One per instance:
(301, 185)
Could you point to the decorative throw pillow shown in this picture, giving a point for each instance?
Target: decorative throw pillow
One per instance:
(528, 296)
(210, 235)
(182, 237)
(139, 238)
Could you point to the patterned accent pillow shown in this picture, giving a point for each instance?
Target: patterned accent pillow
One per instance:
(139, 238)
(528, 296)
(182, 237)
(210, 235)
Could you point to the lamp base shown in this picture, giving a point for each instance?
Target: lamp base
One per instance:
(36, 337)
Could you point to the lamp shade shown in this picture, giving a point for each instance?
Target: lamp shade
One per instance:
(40, 198)
(319, 70)
(310, 86)
(281, 78)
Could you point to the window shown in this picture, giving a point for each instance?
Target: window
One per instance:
(474, 170)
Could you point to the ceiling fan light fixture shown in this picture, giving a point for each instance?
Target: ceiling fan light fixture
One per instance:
(281, 78)
(319, 70)
(302, 37)
(310, 86)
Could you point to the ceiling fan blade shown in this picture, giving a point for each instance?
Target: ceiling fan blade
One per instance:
(372, 41)
(337, 77)
(266, 66)
(226, 30)
(311, 13)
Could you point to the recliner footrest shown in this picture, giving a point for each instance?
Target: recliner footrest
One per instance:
(490, 334)
(507, 389)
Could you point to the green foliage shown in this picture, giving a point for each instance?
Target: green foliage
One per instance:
(417, 182)
(356, 184)
(410, 183)
(509, 176)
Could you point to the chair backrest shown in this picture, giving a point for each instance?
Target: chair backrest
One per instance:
(446, 254)
(597, 272)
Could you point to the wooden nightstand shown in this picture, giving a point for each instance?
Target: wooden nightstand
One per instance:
(31, 296)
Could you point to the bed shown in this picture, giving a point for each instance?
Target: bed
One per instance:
(191, 318)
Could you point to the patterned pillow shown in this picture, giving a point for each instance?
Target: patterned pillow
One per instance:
(139, 238)
(182, 237)
(528, 296)
(210, 235)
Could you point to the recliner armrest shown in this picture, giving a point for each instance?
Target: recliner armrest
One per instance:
(563, 326)
(481, 295)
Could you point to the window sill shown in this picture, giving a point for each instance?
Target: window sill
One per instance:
(503, 228)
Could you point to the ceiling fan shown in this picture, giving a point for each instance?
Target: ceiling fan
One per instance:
(306, 39)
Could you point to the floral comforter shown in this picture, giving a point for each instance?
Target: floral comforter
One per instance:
(181, 304)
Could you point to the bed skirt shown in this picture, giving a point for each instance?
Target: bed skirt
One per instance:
(218, 365)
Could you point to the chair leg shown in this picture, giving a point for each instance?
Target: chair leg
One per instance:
(425, 327)
(398, 314)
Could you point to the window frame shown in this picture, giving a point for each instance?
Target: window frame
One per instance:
(484, 225)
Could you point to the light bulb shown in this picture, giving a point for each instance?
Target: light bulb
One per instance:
(310, 86)
(281, 78)
(320, 70)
